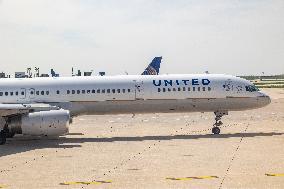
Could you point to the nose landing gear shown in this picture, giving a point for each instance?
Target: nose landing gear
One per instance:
(216, 130)
(218, 115)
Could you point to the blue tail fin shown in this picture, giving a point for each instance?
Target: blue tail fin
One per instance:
(154, 67)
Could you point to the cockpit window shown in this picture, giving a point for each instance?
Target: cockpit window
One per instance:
(251, 88)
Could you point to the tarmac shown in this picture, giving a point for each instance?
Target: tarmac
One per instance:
(154, 151)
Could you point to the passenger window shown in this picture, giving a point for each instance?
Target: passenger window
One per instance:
(129, 90)
(42, 92)
(164, 89)
(22, 93)
(57, 92)
(73, 91)
(1, 93)
(17, 93)
(31, 92)
(188, 88)
(204, 89)
(113, 90)
(6, 93)
(193, 88)
(98, 91)
(174, 89)
(159, 90)
(184, 89)
(68, 91)
(103, 90)
(209, 88)
(118, 90)
(198, 88)
(37, 92)
(123, 90)
(179, 89)
(88, 91)
(11, 93)
(78, 91)
(93, 91)
(83, 91)
(169, 89)
(47, 92)
(108, 90)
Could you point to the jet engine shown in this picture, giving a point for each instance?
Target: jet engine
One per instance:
(43, 123)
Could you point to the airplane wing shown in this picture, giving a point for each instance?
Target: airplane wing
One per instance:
(12, 109)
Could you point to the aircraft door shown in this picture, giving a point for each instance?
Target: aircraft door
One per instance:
(228, 85)
(22, 93)
(232, 87)
(31, 93)
(139, 90)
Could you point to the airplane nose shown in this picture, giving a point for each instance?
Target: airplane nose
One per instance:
(264, 99)
(267, 100)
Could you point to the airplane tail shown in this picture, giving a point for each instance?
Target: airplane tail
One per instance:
(154, 67)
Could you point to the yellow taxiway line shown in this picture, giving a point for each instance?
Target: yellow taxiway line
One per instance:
(86, 183)
(192, 178)
(274, 175)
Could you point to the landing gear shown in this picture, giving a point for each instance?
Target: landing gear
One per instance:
(10, 135)
(4, 134)
(216, 130)
(2, 137)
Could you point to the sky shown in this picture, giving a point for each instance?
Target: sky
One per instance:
(238, 37)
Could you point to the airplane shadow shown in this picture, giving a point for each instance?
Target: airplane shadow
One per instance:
(21, 144)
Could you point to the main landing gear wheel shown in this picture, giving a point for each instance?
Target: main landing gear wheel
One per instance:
(10, 135)
(2, 137)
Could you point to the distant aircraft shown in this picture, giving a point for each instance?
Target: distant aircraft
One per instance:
(45, 106)
(154, 67)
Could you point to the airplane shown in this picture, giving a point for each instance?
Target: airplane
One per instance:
(46, 106)
(154, 67)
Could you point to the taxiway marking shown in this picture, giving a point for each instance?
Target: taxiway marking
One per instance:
(192, 178)
(274, 175)
(86, 183)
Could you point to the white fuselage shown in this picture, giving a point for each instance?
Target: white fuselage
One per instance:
(136, 93)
